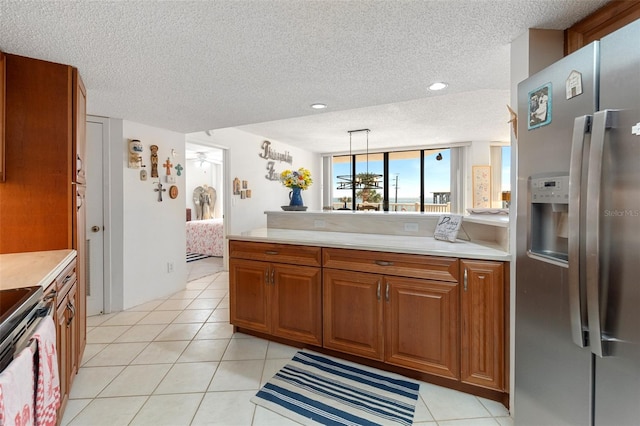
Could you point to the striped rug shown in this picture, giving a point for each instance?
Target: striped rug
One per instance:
(192, 257)
(316, 389)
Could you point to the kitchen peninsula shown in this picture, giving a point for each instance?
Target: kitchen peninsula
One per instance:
(377, 288)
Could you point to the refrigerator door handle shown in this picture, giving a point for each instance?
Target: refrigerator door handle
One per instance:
(577, 296)
(596, 281)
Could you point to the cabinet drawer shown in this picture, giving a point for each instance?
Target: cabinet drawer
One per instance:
(404, 265)
(281, 253)
(65, 280)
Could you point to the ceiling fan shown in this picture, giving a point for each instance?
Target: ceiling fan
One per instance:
(200, 158)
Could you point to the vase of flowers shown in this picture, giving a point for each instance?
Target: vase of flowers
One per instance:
(297, 181)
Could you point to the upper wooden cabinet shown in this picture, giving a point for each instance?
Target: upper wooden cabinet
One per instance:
(37, 197)
(79, 128)
(611, 17)
(2, 113)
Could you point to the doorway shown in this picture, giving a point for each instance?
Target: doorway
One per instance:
(97, 136)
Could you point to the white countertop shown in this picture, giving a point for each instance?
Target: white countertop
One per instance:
(377, 242)
(38, 268)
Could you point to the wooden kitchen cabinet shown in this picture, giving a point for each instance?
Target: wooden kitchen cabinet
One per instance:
(66, 320)
(2, 113)
(393, 317)
(79, 243)
(42, 197)
(353, 313)
(482, 312)
(421, 320)
(280, 299)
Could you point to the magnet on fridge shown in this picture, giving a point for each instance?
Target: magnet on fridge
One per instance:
(573, 85)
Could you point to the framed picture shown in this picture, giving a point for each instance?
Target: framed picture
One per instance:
(540, 106)
(243, 194)
(245, 184)
(248, 193)
(481, 186)
(236, 186)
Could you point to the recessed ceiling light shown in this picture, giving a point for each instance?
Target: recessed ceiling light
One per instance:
(318, 106)
(438, 86)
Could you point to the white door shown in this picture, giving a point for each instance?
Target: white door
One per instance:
(96, 131)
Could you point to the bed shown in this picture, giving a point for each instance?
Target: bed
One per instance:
(205, 237)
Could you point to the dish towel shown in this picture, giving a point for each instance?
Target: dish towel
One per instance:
(48, 382)
(16, 391)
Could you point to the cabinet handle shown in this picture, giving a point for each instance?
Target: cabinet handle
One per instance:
(383, 263)
(270, 252)
(80, 200)
(66, 279)
(386, 293)
(49, 297)
(273, 280)
(378, 290)
(466, 279)
(73, 313)
(266, 276)
(79, 164)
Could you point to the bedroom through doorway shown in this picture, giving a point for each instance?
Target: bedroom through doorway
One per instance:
(204, 186)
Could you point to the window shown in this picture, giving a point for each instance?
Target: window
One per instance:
(415, 180)
(501, 176)
(437, 180)
(404, 185)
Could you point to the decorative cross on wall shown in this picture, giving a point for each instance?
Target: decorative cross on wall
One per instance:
(179, 169)
(160, 190)
(167, 165)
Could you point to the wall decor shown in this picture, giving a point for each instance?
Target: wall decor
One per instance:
(245, 184)
(173, 192)
(179, 169)
(481, 176)
(154, 161)
(243, 194)
(204, 198)
(167, 166)
(248, 192)
(159, 190)
(236, 186)
(135, 149)
(143, 174)
(272, 155)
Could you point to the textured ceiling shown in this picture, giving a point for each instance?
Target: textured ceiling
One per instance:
(190, 66)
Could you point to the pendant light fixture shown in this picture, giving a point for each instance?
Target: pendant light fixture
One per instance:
(364, 180)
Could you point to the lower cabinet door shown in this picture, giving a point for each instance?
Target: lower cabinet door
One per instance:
(249, 294)
(297, 303)
(483, 330)
(421, 319)
(353, 313)
(63, 342)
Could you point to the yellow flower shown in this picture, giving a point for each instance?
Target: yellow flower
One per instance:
(300, 178)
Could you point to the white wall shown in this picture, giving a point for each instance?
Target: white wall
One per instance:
(154, 232)
(245, 164)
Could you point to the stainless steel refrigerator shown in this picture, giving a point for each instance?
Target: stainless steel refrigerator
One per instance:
(577, 315)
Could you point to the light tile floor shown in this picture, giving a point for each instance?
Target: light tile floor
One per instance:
(176, 361)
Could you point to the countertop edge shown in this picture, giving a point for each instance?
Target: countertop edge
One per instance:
(486, 251)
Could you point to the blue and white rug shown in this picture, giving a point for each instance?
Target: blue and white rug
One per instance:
(316, 389)
(192, 257)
